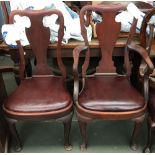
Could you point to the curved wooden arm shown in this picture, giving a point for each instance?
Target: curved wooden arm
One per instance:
(148, 70)
(144, 54)
(22, 60)
(146, 88)
(76, 54)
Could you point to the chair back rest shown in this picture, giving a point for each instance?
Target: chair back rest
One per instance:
(39, 38)
(107, 33)
(143, 35)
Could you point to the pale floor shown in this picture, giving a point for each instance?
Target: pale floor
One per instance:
(103, 136)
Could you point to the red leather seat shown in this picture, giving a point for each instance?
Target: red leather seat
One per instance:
(101, 94)
(39, 95)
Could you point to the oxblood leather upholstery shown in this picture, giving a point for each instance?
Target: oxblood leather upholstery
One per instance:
(39, 94)
(110, 94)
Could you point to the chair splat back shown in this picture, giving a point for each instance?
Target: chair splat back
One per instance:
(107, 33)
(39, 38)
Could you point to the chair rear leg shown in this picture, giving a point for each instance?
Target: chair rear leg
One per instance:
(148, 147)
(15, 136)
(135, 134)
(83, 130)
(67, 127)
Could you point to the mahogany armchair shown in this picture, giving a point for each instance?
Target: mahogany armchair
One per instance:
(44, 96)
(151, 103)
(105, 94)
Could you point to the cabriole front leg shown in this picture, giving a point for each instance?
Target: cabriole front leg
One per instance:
(135, 134)
(14, 136)
(150, 127)
(83, 121)
(67, 127)
(83, 130)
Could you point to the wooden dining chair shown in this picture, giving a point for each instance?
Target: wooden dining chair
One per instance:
(42, 97)
(151, 117)
(105, 94)
(147, 42)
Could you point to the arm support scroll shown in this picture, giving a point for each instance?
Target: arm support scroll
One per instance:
(148, 70)
(144, 55)
(76, 55)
